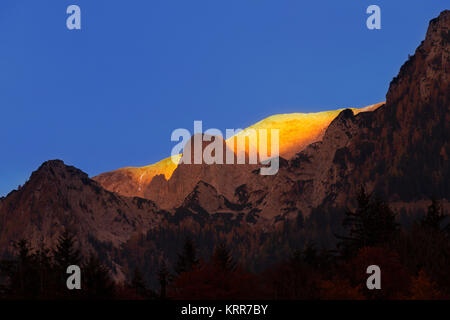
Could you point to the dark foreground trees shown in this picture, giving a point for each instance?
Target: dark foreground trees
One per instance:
(218, 278)
(373, 223)
(414, 264)
(41, 273)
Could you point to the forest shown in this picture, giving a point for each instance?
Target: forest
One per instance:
(199, 259)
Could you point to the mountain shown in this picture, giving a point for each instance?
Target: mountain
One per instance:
(59, 197)
(131, 181)
(296, 131)
(400, 150)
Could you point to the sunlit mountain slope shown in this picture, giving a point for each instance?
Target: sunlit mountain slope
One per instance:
(296, 131)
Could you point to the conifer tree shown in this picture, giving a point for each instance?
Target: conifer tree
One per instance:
(434, 217)
(310, 255)
(222, 258)
(138, 283)
(373, 223)
(23, 277)
(96, 280)
(163, 277)
(187, 259)
(46, 271)
(66, 253)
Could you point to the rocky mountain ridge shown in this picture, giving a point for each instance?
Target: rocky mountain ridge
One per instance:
(400, 151)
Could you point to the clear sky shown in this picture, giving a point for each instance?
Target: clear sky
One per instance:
(109, 95)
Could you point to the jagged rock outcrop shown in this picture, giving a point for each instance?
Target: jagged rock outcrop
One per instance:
(400, 151)
(225, 178)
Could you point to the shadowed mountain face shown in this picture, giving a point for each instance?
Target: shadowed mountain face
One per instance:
(400, 150)
(59, 197)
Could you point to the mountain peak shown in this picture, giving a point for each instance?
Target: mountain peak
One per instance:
(424, 77)
(441, 21)
(58, 197)
(58, 165)
(56, 170)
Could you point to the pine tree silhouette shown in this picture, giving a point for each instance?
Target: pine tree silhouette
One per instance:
(163, 277)
(46, 271)
(65, 253)
(28, 274)
(138, 284)
(373, 223)
(434, 217)
(96, 280)
(222, 258)
(187, 259)
(296, 258)
(24, 281)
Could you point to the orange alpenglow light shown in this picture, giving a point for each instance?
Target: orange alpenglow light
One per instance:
(296, 132)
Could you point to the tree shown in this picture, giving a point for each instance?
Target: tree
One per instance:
(46, 271)
(434, 217)
(23, 276)
(222, 258)
(24, 266)
(187, 259)
(28, 274)
(310, 255)
(296, 258)
(66, 253)
(96, 280)
(138, 283)
(373, 223)
(163, 277)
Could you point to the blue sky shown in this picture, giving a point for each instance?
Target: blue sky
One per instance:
(110, 95)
